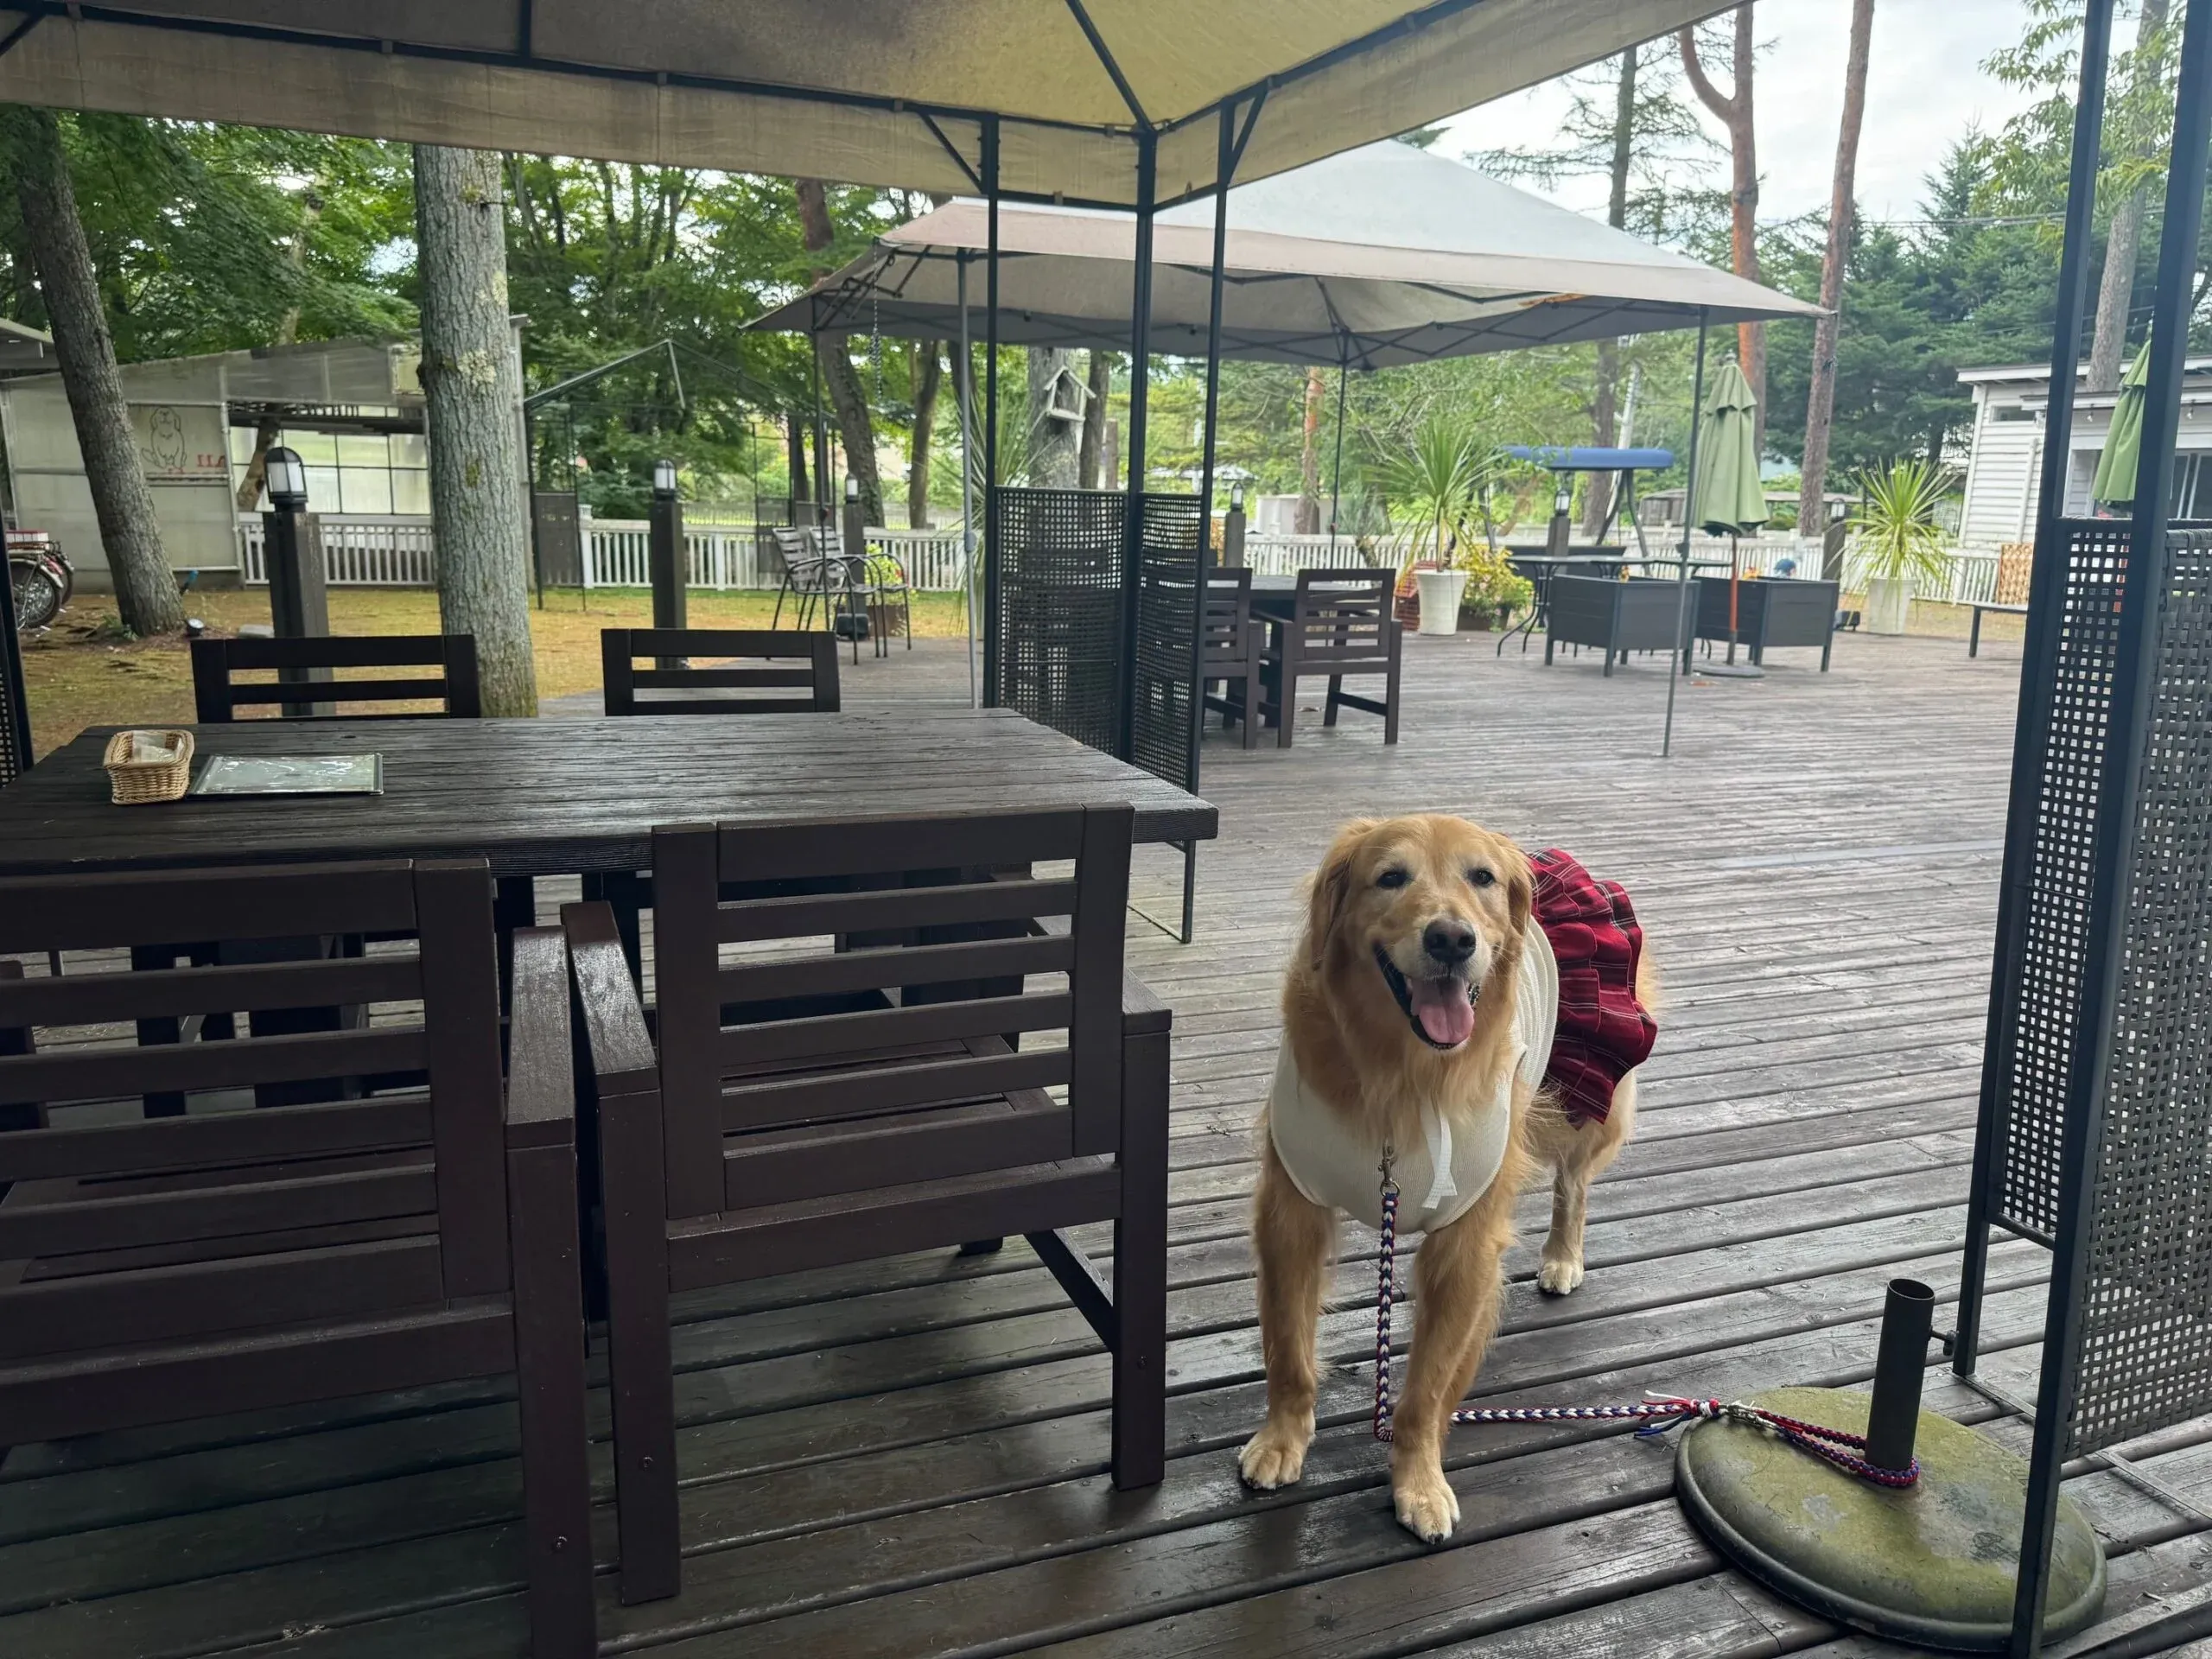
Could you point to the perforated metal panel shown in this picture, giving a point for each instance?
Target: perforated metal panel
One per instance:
(15, 718)
(2044, 993)
(2147, 1329)
(1166, 612)
(1059, 621)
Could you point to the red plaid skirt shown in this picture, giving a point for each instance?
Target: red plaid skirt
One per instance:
(1604, 1031)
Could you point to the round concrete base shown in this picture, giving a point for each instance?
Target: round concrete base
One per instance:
(1933, 1564)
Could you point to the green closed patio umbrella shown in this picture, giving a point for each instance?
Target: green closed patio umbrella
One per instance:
(2116, 481)
(1728, 499)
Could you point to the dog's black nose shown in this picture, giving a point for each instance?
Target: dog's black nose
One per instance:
(1448, 942)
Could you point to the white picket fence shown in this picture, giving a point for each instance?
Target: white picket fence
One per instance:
(391, 550)
(358, 550)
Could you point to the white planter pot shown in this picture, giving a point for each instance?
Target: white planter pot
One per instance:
(1439, 599)
(1889, 600)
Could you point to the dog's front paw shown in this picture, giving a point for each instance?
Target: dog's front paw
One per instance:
(1427, 1507)
(1559, 1276)
(1274, 1456)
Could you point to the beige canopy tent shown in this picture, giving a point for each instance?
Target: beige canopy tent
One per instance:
(873, 91)
(1384, 255)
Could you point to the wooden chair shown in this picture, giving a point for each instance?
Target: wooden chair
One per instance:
(810, 1104)
(1230, 644)
(217, 695)
(421, 1229)
(812, 670)
(1340, 626)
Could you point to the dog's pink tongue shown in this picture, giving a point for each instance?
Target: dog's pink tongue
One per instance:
(1442, 1007)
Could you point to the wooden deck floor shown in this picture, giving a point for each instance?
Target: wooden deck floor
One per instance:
(905, 1458)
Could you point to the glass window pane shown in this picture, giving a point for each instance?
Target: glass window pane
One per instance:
(241, 444)
(409, 450)
(410, 492)
(363, 449)
(316, 448)
(367, 489)
(322, 490)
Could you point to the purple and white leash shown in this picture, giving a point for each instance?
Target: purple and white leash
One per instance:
(1657, 1412)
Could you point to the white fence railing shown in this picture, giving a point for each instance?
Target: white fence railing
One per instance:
(358, 550)
(399, 550)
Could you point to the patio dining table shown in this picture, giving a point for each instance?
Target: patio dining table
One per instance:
(573, 796)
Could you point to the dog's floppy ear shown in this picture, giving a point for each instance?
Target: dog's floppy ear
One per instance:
(1521, 892)
(1332, 886)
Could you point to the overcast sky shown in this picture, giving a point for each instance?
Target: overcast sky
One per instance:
(1926, 86)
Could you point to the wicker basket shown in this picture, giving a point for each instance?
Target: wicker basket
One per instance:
(161, 774)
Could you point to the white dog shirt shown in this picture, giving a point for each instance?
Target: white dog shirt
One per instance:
(1440, 1178)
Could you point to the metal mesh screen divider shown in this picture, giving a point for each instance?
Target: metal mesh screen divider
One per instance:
(15, 714)
(2046, 992)
(2145, 1354)
(1058, 555)
(1166, 696)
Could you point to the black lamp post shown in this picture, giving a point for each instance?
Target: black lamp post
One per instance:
(854, 524)
(299, 603)
(664, 554)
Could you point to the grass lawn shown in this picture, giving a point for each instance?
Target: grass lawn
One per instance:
(84, 671)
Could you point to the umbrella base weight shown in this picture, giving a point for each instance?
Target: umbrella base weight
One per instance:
(1934, 1563)
(1732, 671)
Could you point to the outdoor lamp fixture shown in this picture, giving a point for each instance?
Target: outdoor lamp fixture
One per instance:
(286, 475)
(1563, 497)
(852, 488)
(1236, 498)
(664, 479)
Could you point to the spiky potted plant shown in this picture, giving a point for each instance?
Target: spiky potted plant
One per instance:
(1436, 480)
(1896, 539)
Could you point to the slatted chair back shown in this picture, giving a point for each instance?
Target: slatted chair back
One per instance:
(118, 1229)
(1341, 621)
(972, 1020)
(2016, 563)
(218, 695)
(813, 559)
(803, 665)
(1225, 624)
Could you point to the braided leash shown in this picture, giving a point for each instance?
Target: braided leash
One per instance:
(1658, 1413)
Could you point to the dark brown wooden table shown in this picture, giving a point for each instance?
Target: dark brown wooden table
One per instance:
(573, 797)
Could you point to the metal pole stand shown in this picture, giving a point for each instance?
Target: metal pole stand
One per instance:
(299, 602)
(1934, 1562)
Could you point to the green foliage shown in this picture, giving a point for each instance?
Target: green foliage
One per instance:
(1895, 530)
(1492, 583)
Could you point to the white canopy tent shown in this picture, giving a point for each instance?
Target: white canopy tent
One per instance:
(1382, 255)
(892, 92)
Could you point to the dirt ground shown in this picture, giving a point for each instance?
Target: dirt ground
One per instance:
(84, 671)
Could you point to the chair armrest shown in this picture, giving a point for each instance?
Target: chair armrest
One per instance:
(619, 1048)
(541, 1105)
(1141, 1010)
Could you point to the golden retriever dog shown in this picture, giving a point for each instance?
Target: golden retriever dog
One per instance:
(1414, 1026)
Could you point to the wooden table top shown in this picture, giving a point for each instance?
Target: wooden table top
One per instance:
(562, 797)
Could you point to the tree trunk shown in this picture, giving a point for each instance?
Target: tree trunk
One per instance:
(1737, 114)
(794, 429)
(1309, 459)
(1055, 445)
(1597, 497)
(928, 378)
(473, 387)
(1820, 411)
(288, 330)
(1091, 453)
(145, 588)
(2116, 292)
(843, 381)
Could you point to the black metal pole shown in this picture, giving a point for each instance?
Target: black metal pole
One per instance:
(1133, 502)
(1224, 165)
(993, 600)
(664, 563)
(1336, 466)
(821, 503)
(1900, 1366)
(1676, 666)
(2135, 672)
(2038, 668)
